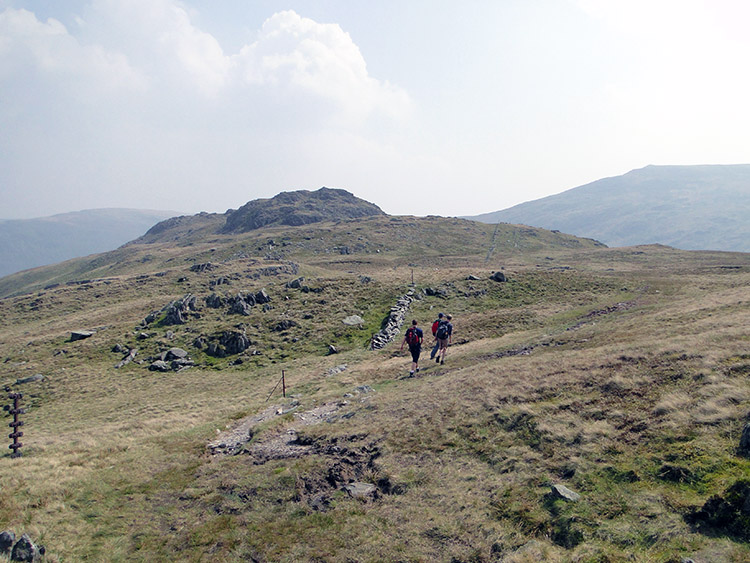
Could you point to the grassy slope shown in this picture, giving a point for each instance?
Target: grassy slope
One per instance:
(115, 465)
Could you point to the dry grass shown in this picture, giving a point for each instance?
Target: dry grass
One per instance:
(116, 467)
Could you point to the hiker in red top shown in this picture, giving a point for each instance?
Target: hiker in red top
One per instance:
(414, 338)
(436, 347)
(444, 337)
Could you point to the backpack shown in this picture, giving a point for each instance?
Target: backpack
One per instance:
(412, 338)
(435, 327)
(442, 330)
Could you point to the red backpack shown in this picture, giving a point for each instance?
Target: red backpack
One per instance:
(434, 327)
(412, 338)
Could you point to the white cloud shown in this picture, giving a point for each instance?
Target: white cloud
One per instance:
(297, 56)
(133, 105)
(48, 52)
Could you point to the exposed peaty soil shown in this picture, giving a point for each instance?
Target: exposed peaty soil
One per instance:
(272, 445)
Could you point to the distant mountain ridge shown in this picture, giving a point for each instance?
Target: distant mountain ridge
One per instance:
(28, 243)
(703, 207)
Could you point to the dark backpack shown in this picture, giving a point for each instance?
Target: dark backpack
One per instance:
(412, 338)
(442, 330)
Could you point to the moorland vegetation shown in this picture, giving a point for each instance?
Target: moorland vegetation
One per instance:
(590, 408)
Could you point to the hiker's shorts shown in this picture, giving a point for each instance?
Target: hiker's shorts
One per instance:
(442, 343)
(415, 352)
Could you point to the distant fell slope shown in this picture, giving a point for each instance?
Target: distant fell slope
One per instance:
(28, 243)
(367, 245)
(688, 207)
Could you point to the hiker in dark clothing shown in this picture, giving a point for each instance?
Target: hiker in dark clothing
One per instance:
(444, 336)
(414, 338)
(436, 347)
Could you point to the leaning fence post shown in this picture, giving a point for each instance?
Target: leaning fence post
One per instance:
(281, 380)
(16, 424)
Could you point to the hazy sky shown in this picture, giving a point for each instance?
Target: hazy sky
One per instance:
(419, 106)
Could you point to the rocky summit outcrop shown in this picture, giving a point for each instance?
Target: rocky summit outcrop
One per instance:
(299, 208)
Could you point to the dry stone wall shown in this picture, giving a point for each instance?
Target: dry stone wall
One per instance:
(395, 321)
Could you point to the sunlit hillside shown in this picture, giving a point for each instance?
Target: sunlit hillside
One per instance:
(589, 408)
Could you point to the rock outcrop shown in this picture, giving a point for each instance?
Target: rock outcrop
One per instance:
(299, 208)
(175, 312)
(227, 343)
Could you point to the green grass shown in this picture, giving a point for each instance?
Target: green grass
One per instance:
(638, 408)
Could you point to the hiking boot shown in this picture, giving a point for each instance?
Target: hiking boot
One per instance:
(411, 373)
(437, 360)
(442, 362)
(417, 370)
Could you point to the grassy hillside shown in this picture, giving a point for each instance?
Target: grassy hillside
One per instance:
(688, 207)
(618, 373)
(183, 241)
(28, 243)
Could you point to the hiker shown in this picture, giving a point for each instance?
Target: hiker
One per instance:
(414, 338)
(436, 347)
(444, 335)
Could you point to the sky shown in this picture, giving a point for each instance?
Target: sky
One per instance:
(423, 107)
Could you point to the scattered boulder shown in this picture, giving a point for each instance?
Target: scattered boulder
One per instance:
(177, 312)
(262, 297)
(241, 304)
(353, 320)
(80, 335)
(220, 281)
(214, 301)
(432, 292)
(181, 363)
(119, 349)
(726, 514)
(336, 370)
(563, 492)
(332, 349)
(227, 343)
(25, 550)
(7, 539)
(283, 325)
(472, 277)
(32, 379)
(174, 354)
(498, 277)
(129, 357)
(363, 491)
(295, 283)
(159, 365)
(744, 447)
(200, 268)
(234, 342)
